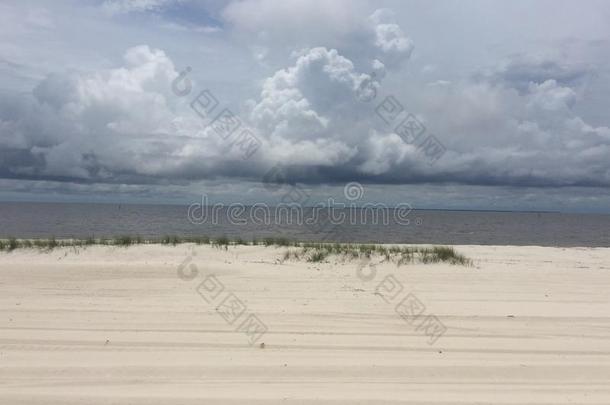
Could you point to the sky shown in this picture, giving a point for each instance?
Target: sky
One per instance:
(500, 105)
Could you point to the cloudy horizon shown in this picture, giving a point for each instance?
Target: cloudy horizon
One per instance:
(460, 105)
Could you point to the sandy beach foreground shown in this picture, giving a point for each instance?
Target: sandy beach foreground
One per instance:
(113, 325)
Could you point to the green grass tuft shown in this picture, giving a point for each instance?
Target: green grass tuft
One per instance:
(12, 244)
(318, 252)
(123, 241)
(318, 256)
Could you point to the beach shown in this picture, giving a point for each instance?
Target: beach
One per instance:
(145, 324)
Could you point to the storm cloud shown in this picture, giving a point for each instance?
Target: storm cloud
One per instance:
(310, 90)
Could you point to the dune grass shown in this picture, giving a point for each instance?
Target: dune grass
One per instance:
(314, 252)
(319, 252)
(12, 243)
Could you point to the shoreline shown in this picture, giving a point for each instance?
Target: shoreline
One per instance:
(174, 240)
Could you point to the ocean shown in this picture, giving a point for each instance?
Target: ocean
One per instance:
(63, 220)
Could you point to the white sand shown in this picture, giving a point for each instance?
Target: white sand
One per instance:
(117, 326)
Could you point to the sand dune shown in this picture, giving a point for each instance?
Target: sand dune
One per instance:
(109, 325)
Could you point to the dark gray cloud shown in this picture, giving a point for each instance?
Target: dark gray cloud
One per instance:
(520, 71)
(315, 83)
(125, 125)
